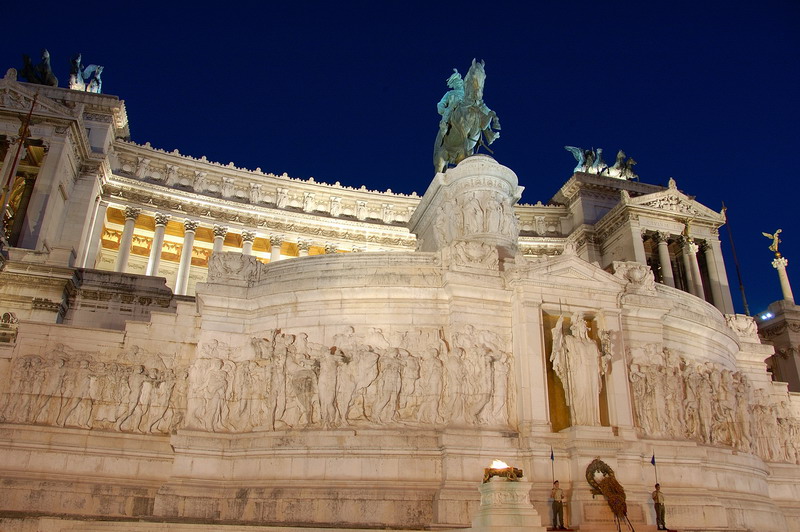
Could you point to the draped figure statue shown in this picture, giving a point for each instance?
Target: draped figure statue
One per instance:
(577, 363)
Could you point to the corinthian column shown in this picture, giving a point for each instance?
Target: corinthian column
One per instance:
(275, 247)
(697, 280)
(158, 244)
(302, 246)
(780, 264)
(713, 277)
(182, 280)
(247, 242)
(663, 258)
(219, 238)
(124, 253)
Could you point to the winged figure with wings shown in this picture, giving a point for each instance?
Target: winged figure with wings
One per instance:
(775, 241)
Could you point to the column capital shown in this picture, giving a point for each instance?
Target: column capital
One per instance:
(161, 218)
(780, 263)
(661, 237)
(248, 236)
(275, 240)
(303, 245)
(331, 248)
(191, 225)
(692, 247)
(220, 231)
(132, 213)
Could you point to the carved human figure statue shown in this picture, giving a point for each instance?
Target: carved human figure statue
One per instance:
(577, 362)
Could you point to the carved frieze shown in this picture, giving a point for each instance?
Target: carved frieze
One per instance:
(366, 377)
(676, 397)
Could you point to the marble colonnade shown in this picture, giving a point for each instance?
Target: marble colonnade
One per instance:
(159, 242)
(692, 276)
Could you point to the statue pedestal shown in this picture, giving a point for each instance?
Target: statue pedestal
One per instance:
(506, 506)
(473, 202)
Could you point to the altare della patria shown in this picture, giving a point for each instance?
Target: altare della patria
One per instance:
(187, 345)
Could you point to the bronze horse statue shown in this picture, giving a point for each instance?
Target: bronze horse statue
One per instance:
(467, 122)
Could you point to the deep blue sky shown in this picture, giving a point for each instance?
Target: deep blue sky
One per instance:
(705, 92)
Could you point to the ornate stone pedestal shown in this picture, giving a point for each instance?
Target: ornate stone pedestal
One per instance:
(506, 506)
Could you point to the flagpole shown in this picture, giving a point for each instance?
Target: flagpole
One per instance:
(653, 461)
(735, 260)
(552, 465)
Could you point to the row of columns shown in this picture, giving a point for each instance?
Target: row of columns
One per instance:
(190, 228)
(691, 266)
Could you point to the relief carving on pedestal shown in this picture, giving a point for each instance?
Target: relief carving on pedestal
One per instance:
(744, 326)
(475, 213)
(638, 276)
(225, 266)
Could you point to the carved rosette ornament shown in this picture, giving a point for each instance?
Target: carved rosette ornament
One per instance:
(471, 202)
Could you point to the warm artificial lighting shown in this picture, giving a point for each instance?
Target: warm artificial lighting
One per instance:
(502, 470)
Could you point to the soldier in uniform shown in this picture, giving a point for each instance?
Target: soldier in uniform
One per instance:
(557, 494)
(658, 499)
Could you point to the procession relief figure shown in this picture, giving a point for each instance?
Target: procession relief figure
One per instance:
(50, 388)
(19, 401)
(136, 382)
(329, 362)
(577, 362)
(388, 383)
(430, 386)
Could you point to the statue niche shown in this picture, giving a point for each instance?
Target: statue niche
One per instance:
(575, 375)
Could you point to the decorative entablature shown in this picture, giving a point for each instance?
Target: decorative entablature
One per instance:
(176, 171)
(599, 187)
(128, 192)
(542, 220)
(541, 246)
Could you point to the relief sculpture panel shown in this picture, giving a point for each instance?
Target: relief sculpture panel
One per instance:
(364, 378)
(283, 380)
(675, 397)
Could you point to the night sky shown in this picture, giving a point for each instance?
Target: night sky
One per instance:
(705, 92)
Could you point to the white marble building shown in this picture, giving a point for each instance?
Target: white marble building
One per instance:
(189, 342)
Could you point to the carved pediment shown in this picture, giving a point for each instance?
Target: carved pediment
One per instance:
(570, 270)
(674, 201)
(16, 97)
